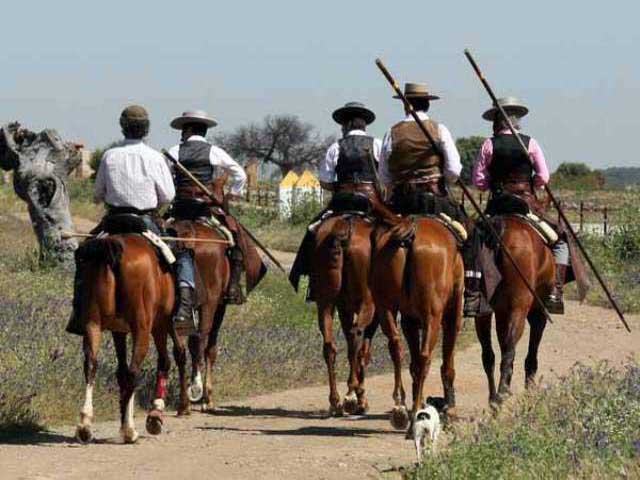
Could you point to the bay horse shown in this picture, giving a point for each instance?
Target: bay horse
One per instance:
(126, 289)
(340, 278)
(424, 282)
(130, 290)
(513, 304)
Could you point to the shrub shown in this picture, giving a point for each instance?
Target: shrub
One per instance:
(585, 426)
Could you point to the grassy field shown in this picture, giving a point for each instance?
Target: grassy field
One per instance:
(585, 426)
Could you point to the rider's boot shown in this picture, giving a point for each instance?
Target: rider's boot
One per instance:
(472, 296)
(234, 295)
(554, 302)
(184, 319)
(75, 326)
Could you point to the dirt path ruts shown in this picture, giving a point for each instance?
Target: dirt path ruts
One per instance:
(287, 434)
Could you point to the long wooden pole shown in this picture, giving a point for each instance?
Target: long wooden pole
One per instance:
(176, 239)
(464, 188)
(548, 191)
(206, 191)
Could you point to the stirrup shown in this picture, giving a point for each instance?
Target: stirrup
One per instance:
(235, 298)
(554, 304)
(184, 326)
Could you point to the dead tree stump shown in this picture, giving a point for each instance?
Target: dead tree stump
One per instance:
(41, 164)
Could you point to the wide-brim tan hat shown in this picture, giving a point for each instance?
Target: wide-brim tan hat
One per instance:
(417, 90)
(195, 116)
(351, 110)
(510, 105)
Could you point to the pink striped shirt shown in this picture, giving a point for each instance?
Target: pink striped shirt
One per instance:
(481, 177)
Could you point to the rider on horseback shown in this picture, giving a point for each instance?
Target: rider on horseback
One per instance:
(134, 179)
(502, 167)
(414, 173)
(349, 170)
(207, 163)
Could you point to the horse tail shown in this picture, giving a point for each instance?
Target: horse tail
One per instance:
(103, 251)
(91, 257)
(339, 242)
(409, 265)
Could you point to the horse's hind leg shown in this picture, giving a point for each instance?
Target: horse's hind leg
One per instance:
(451, 325)
(537, 323)
(90, 344)
(329, 350)
(211, 355)
(412, 336)
(509, 328)
(196, 344)
(399, 415)
(354, 327)
(155, 417)
(364, 358)
(483, 331)
(180, 356)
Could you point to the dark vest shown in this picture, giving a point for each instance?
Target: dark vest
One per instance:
(195, 156)
(509, 163)
(354, 161)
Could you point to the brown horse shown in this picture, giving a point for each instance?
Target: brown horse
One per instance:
(513, 303)
(127, 289)
(213, 266)
(425, 283)
(340, 279)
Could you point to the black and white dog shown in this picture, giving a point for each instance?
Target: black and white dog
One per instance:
(426, 428)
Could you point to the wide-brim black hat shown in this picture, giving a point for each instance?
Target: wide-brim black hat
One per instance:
(353, 110)
(510, 105)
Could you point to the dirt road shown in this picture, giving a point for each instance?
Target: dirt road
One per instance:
(287, 434)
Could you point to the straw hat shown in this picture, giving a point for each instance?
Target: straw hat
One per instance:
(417, 90)
(195, 116)
(351, 110)
(510, 105)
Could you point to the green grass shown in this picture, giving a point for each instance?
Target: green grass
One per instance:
(585, 426)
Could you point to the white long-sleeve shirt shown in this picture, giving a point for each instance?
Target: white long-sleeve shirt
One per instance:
(327, 167)
(132, 174)
(452, 164)
(219, 158)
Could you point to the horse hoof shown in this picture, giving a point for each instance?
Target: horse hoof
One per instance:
(84, 433)
(399, 418)
(154, 422)
(363, 408)
(209, 408)
(129, 435)
(351, 403)
(184, 412)
(336, 410)
(195, 392)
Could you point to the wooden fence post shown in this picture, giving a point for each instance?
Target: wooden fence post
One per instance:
(606, 221)
(581, 215)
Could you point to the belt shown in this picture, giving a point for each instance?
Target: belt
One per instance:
(128, 210)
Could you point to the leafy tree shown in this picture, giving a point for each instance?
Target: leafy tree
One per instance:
(468, 148)
(577, 176)
(283, 140)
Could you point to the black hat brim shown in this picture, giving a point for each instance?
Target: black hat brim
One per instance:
(344, 114)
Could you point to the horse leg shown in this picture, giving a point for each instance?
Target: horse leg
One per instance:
(196, 351)
(90, 345)
(412, 336)
(537, 323)
(429, 338)
(510, 328)
(399, 417)
(155, 416)
(127, 394)
(211, 355)
(329, 350)
(451, 325)
(483, 331)
(365, 358)
(353, 327)
(180, 357)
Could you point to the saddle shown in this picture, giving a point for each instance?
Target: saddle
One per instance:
(130, 223)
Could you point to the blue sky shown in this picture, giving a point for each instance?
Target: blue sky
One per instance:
(73, 65)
